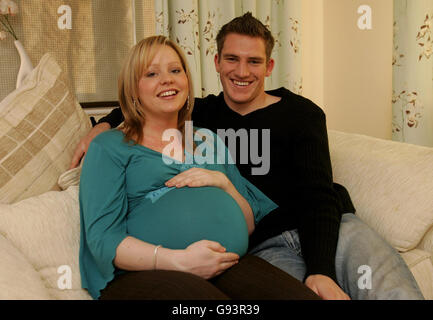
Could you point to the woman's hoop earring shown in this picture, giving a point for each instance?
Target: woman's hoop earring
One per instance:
(187, 103)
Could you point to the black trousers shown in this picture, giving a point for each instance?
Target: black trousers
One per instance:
(251, 279)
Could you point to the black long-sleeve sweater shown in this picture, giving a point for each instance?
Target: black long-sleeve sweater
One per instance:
(299, 179)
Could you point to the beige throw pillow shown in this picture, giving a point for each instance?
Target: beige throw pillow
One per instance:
(46, 230)
(390, 183)
(41, 123)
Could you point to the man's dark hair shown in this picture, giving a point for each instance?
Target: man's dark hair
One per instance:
(249, 26)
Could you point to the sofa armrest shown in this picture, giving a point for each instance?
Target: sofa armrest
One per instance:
(420, 264)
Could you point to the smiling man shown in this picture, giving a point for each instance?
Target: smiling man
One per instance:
(243, 66)
(314, 235)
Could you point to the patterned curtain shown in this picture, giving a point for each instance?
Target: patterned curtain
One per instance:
(194, 24)
(413, 72)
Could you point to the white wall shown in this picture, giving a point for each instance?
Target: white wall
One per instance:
(348, 71)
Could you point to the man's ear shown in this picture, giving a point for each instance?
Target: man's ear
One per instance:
(269, 67)
(217, 65)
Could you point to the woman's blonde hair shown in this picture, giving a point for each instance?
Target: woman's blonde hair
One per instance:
(136, 63)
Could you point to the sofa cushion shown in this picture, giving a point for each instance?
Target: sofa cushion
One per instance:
(390, 183)
(70, 177)
(18, 279)
(427, 242)
(40, 126)
(420, 264)
(46, 229)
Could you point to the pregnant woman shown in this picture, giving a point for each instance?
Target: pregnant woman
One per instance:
(178, 229)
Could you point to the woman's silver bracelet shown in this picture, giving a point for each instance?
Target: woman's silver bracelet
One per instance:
(154, 256)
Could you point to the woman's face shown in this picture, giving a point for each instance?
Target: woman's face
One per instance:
(163, 88)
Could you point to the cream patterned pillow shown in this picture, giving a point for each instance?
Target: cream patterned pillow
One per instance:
(41, 123)
(46, 230)
(18, 279)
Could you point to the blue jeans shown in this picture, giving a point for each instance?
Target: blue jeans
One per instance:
(367, 266)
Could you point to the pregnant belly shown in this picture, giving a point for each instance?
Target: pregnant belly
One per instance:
(186, 215)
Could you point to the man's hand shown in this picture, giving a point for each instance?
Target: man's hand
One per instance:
(83, 145)
(325, 287)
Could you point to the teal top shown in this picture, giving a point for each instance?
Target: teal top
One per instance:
(122, 193)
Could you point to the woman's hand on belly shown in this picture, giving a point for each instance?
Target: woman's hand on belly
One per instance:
(205, 259)
(199, 177)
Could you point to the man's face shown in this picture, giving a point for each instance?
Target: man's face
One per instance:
(243, 67)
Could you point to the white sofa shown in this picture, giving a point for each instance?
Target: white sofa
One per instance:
(391, 185)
